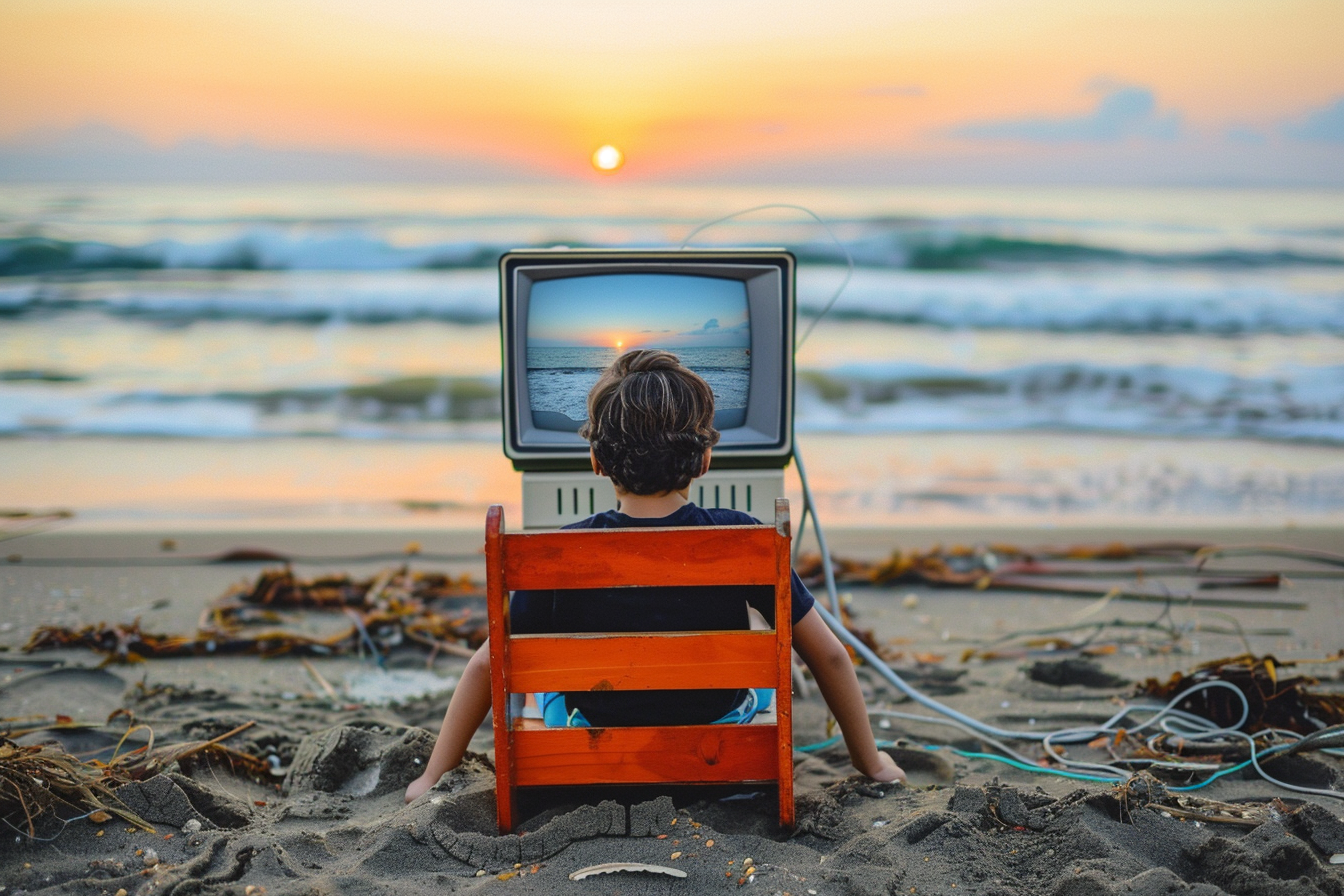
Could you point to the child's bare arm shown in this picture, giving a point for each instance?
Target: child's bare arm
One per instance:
(829, 662)
(466, 710)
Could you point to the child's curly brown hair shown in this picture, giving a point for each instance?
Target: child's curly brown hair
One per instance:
(650, 422)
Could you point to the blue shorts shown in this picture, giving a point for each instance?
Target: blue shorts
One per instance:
(556, 715)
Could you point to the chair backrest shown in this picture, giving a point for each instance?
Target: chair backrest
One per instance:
(529, 755)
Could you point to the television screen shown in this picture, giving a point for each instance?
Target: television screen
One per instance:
(578, 325)
(565, 315)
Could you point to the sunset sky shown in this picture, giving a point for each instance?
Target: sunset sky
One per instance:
(703, 89)
(625, 311)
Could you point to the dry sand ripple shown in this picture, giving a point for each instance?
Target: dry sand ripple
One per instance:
(339, 826)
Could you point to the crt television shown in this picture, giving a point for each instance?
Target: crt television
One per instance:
(565, 314)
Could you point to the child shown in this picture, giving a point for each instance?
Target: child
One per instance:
(650, 427)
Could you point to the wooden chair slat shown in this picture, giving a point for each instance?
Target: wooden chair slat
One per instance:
(603, 558)
(662, 661)
(692, 754)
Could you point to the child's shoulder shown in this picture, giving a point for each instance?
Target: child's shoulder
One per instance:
(723, 516)
(688, 515)
(694, 515)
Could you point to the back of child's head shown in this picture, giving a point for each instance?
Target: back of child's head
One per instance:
(650, 421)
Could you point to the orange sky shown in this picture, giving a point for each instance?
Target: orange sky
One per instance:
(681, 88)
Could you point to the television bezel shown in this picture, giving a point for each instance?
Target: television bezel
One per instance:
(776, 450)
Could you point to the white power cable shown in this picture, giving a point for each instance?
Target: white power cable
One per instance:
(849, 259)
(1196, 727)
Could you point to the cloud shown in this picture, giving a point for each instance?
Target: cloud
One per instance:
(886, 90)
(1325, 125)
(99, 152)
(1244, 135)
(711, 328)
(1122, 113)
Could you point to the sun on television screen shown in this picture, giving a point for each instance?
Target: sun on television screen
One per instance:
(566, 315)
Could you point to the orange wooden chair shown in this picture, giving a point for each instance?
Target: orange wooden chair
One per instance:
(527, 754)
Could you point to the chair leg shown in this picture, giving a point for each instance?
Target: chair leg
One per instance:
(505, 806)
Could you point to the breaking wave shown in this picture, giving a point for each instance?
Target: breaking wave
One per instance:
(1031, 300)
(926, 247)
(1303, 404)
(1297, 404)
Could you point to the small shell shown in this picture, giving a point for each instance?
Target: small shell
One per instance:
(610, 867)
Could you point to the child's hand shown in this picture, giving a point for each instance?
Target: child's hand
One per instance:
(419, 786)
(886, 770)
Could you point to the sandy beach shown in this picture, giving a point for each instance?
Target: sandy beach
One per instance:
(342, 737)
(1039, 307)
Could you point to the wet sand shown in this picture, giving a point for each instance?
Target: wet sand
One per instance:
(332, 819)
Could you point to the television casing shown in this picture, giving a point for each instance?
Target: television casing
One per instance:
(748, 463)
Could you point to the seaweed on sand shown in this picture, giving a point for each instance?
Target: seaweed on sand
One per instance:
(42, 783)
(42, 780)
(395, 606)
(1273, 701)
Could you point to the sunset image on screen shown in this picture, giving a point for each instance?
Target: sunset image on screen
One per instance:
(577, 326)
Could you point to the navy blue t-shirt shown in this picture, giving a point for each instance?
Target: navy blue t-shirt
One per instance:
(653, 609)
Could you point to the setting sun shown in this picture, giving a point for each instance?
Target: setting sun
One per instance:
(608, 158)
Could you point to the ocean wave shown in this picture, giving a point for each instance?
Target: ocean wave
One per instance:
(408, 407)
(974, 252)
(1298, 404)
(1301, 404)
(1131, 302)
(256, 250)
(305, 298)
(912, 246)
(1084, 302)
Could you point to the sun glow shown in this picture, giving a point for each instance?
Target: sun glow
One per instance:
(608, 158)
